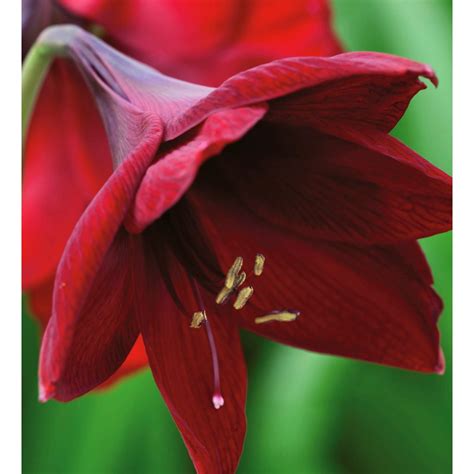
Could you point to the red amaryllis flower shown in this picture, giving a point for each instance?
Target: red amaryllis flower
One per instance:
(303, 173)
(223, 39)
(205, 41)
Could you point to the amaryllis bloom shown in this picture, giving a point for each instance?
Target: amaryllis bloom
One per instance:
(286, 172)
(201, 41)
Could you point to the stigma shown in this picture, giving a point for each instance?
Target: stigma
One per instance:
(217, 401)
(199, 318)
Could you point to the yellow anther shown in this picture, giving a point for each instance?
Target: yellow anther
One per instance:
(259, 263)
(223, 295)
(243, 296)
(283, 316)
(240, 279)
(198, 318)
(233, 272)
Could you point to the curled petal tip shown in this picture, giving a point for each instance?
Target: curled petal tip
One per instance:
(46, 392)
(431, 75)
(440, 367)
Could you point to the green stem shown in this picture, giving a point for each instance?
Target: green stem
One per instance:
(35, 67)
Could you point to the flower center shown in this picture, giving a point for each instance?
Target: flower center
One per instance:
(233, 280)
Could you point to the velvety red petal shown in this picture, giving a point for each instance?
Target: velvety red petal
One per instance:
(178, 162)
(180, 359)
(181, 106)
(40, 304)
(373, 99)
(135, 361)
(66, 162)
(322, 187)
(347, 80)
(208, 41)
(373, 303)
(92, 295)
(85, 344)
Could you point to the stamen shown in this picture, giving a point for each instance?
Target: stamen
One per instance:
(282, 316)
(240, 279)
(243, 296)
(259, 263)
(217, 398)
(223, 295)
(233, 272)
(198, 318)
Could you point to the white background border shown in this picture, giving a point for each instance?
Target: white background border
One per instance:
(463, 236)
(10, 254)
(10, 179)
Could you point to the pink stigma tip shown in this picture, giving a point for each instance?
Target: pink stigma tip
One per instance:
(218, 401)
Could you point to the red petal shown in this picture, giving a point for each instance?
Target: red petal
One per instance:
(178, 162)
(92, 274)
(40, 303)
(412, 254)
(347, 80)
(371, 303)
(208, 41)
(375, 97)
(320, 187)
(65, 166)
(180, 359)
(135, 361)
(86, 343)
(180, 106)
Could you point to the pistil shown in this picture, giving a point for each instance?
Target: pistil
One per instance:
(217, 398)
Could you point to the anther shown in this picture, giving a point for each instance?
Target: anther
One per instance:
(223, 295)
(282, 316)
(233, 272)
(240, 279)
(243, 296)
(198, 318)
(259, 263)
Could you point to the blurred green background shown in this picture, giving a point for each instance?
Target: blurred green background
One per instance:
(307, 413)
